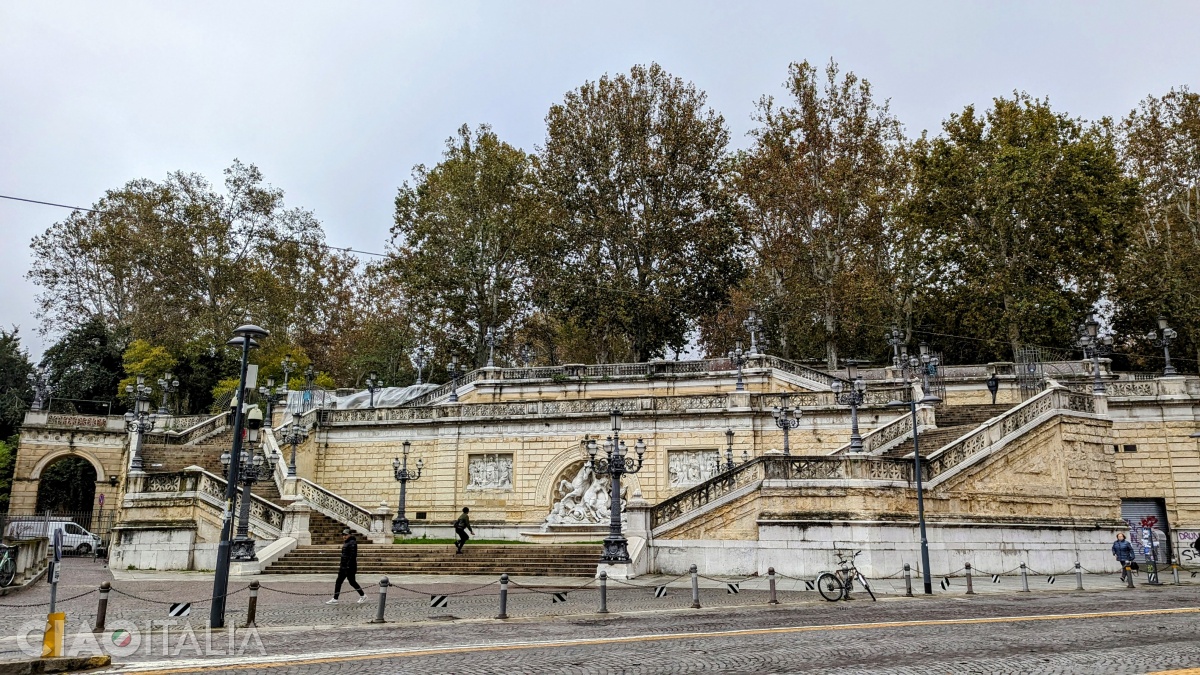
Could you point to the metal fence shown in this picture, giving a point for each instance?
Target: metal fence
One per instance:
(85, 533)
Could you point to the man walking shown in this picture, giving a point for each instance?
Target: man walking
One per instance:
(460, 530)
(1123, 551)
(347, 568)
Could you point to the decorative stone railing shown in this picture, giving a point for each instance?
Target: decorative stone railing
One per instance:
(811, 374)
(204, 427)
(881, 439)
(210, 491)
(698, 496)
(340, 509)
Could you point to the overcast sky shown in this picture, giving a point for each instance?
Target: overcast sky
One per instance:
(337, 101)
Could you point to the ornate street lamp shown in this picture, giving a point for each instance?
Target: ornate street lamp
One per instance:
(138, 421)
(245, 336)
(253, 468)
(754, 325)
(853, 398)
(310, 377)
(896, 340)
(455, 370)
(1168, 334)
(527, 354)
(402, 474)
(39, 381)
(374, 384)
(288, 365)
(294, 434)
(737, 358)
(616, 464)
(168, 385)
(729, 465)
(1093, 345)
(272, 394)
(420, 359)
(922, 365)
(491, 338)
(785, 418)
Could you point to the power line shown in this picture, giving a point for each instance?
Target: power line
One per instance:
(89, 210)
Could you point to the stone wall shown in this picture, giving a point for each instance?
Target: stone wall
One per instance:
(47, 438)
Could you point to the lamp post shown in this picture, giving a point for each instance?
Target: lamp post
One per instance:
(737, 358)
(853, 398)
(402, 474)
(288, 365)
(754, 325)
(527, 354)
(896, 339)
(168, 385)
(39, 381)
(929, 364)
(374, 384)
(455, 370)
(1093, 345)
(914, 365)
(245, 336)
(420, 359)
(294, 435)
(253, 466)
(138, 421)
(787, 419)
(490, 339)
(1168, 334)
(310, 377)
(729, 454)
(271, 394)
(616, 464)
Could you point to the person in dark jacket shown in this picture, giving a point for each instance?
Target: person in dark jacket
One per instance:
(1123, 552)
(460, 529)
(347, 568)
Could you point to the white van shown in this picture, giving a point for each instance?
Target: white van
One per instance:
(75, 538)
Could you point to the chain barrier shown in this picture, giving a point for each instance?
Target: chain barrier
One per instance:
(118, 591)
(568, 589)
(47, 602)
(446, 593)
(724, 581)
(650, 586)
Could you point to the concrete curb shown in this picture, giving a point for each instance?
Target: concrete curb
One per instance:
(65, 664)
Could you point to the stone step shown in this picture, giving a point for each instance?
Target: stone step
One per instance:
(529, 559)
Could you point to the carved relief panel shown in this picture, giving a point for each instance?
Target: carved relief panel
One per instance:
(490, 472)
(690, 467)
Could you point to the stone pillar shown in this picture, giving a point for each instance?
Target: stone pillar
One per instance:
(381, 524)
(295, 522)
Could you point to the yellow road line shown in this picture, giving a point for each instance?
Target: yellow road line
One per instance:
(282, 662)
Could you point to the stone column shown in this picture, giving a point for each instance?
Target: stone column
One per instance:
(295, 522)
(381, 524)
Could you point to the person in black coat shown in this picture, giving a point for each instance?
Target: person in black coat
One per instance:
(347, 568)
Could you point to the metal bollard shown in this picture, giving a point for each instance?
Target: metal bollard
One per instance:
(603, 593)
(503, 597)
(907, 580)
(252, 609)
(772, 599)
(1024, 579)
(970, 583)
(383, 586)
(1128, 576)
(1175, 573)
(102, 607)
(1078, 576)
(695, 588)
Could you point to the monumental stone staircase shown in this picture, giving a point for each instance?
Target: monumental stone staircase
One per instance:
(561, 560)
(953, 422)
(206, 454)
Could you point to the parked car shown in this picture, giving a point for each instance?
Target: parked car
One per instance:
(75, 538)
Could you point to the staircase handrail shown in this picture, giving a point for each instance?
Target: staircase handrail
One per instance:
(203, 426)
(210, 490)
(881, 439)
(812, 374)
(1000, 426)
(335, 506)
(696, 496)
(279, 467)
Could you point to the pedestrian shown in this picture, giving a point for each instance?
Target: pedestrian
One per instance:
(460, 530)
(347, 568)
(1123, 552)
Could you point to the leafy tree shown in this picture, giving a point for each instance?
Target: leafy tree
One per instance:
(460, 243)
(1024, 211)
(817, 189)
(152, 362)
(15, 392)
(1160, 147)
(8, 462)
(85, 367)
(639, 240)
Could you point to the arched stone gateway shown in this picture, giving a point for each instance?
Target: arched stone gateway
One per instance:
(67, 485)
(95, 446)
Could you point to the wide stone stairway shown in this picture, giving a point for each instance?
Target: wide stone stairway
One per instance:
(206, 454)
(560, 560)
(953, 422)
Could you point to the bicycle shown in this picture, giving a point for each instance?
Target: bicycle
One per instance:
(837, 585)
(8, 566)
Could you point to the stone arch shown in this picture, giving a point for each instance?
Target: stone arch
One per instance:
(55, 455)
(548, 481)
(67, 484)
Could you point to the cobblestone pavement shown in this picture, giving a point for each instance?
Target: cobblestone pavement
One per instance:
(645, 634)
